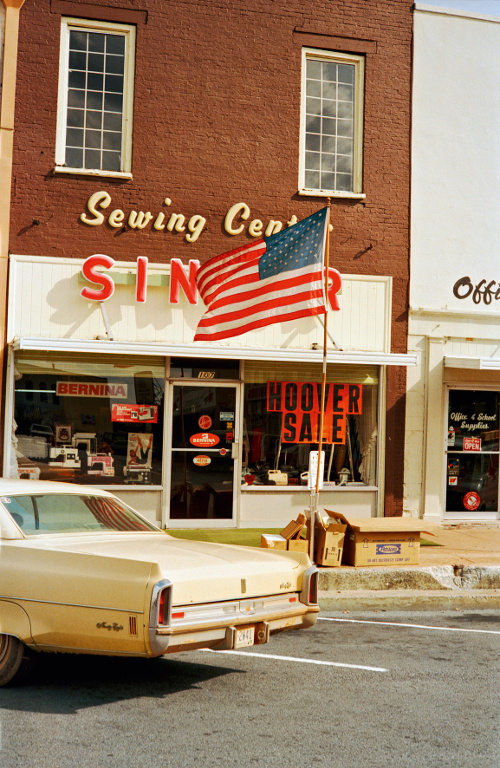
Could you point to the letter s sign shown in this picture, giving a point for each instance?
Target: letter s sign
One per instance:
(106, 283)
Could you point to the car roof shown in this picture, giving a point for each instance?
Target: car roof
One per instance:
(13, 485)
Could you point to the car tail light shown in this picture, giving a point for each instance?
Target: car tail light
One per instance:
(161, 604)
(309, 593)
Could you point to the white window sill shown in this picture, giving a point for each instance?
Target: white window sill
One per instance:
(86, 172)
(323, 193)
(305, 489)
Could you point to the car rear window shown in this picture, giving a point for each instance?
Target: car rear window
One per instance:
(70, 513)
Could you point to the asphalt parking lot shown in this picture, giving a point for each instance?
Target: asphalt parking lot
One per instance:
(358, 690)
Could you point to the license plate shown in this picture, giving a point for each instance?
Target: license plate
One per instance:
(244, 637)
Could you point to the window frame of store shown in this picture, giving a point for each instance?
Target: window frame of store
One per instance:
(357, 62)
(466, 515)
(171, 382)
(128, 33)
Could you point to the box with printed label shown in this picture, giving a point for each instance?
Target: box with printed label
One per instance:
(381, 540)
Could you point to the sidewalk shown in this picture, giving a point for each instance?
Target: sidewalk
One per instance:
(463, 573)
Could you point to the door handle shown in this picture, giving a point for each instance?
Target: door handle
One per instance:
(234, 450)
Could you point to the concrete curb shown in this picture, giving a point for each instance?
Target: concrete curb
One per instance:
(409, 600)
(444, 587)
(443, 577)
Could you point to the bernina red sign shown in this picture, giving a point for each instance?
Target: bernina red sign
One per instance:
(204, 440)
(90, 389)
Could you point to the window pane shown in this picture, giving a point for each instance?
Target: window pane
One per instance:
(328, 144)
(344, 164)
(329, 71)
(114, 65)
(93, 119)
(76, 98)
(95, 81)
(111, 161)
(329, 91)
(75, 117)
(74, 158)
(328, 126)
(113, 102)
(312, 161)
(344, 182)
(76, 79)
(115, 44)
(114, 83)
(92, 159)
(329, 108)
(314, 70)
(94, 100)
(346, 73)
(96, 62)
(313, 88)
(112, 121)
(78, 41)
(313, 106)
(77, 60)
(313, 142)
(327, 181)
(96, 42)
(93, 139)
(313, 124)
(74, 137)
(112, 141)
(312, 180)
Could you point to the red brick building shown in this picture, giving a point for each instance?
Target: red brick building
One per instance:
(181, 130)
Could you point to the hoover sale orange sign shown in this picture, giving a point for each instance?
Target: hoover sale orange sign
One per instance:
(300, 404)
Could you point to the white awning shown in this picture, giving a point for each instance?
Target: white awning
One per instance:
(473, 363)
(101, 346)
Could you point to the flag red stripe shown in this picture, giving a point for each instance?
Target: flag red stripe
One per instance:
(271, 287)
(259, 324)
(209, 291)
(263, 306)
(240, 256)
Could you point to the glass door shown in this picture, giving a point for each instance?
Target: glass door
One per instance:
(472, 454)
(203, 453)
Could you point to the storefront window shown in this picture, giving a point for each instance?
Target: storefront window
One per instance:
(83, 421)
(281, 423)
(473, 451)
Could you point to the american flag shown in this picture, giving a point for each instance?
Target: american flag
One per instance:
(272, 280)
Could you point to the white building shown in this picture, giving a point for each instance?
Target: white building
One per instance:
(452, 439)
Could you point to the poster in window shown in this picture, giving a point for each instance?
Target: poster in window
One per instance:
(139, 450)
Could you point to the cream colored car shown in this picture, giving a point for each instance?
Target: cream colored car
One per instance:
(81, 572)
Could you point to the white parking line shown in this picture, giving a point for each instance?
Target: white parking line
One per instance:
(413, 626)
(298, 660)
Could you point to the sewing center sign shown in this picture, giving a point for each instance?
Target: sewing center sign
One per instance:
(300, 405)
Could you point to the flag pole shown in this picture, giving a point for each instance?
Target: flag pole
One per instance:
(315, 496)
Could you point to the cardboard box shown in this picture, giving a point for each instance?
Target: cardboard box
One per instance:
(294, 527)
(381, 540)
(298, 545)
(329, 544)
(272, 541)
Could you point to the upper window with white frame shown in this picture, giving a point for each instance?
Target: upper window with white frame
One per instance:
(331, 124)
(94, 121)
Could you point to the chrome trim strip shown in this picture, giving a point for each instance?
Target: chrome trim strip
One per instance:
(71, 605)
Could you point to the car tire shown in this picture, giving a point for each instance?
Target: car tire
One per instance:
(14, 659)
